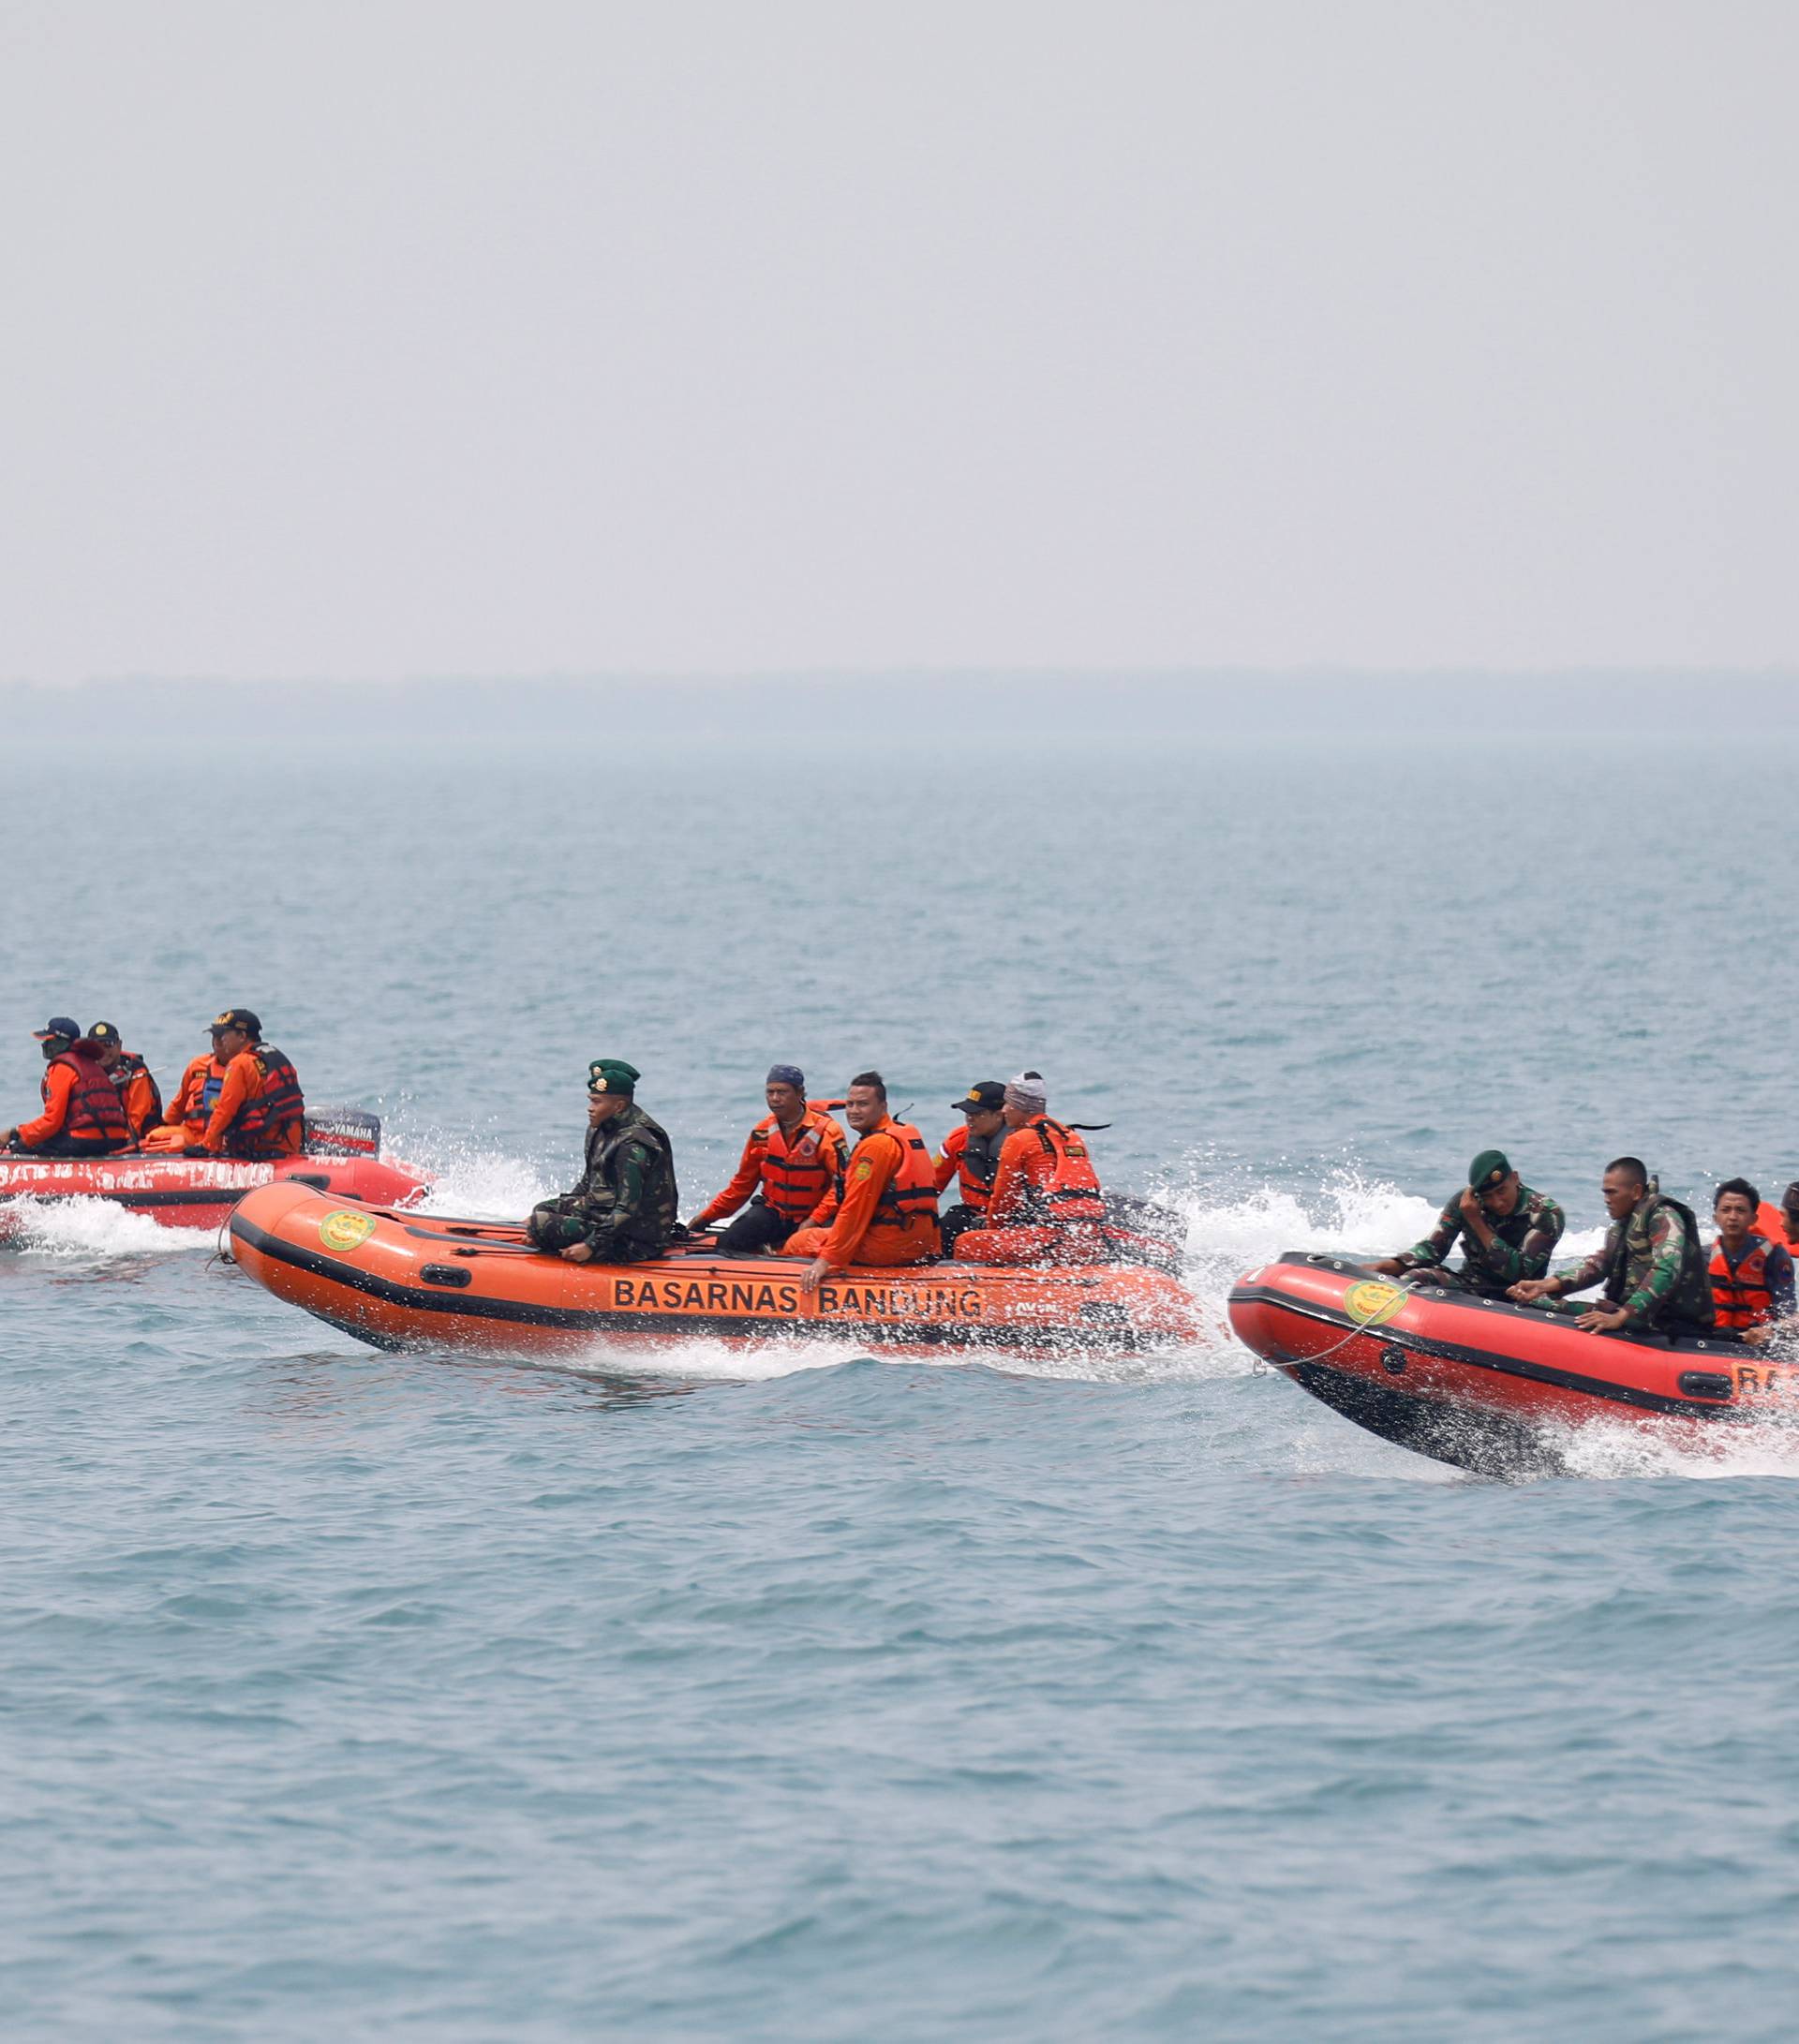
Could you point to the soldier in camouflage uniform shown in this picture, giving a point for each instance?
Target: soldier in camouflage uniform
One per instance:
(624, 1207)
(1507, 1231)
(1653, 1262)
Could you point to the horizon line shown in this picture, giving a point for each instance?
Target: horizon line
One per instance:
(640, 678)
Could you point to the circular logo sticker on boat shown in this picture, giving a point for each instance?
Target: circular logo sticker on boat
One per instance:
(1369, 1304)
(343, 1231)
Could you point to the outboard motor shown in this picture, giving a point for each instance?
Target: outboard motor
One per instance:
(1140, 1232)
(343, 1132)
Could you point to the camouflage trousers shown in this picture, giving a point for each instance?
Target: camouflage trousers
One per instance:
(557, 1224)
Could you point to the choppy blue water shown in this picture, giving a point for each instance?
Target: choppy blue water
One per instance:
(805, 1695)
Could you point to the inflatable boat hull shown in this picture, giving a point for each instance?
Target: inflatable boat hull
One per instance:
(198, 1192)
(401, 1281)
(1486, 1384)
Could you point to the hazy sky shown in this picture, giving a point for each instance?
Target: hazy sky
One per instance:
(392, 339)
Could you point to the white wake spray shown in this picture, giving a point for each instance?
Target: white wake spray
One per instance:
(91, 1231)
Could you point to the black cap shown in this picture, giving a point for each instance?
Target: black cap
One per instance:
(103, 1033)
(1790, 1198)
(239, 1018)
(985, 1096)
(60, 1025)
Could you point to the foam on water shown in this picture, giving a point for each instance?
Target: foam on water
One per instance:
(1350, 1215)
(92, 1230)
(1626, 1452)
(706, 1358)
(475, 1184)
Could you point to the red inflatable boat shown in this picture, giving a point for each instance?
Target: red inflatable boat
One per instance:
(342, 1158)
(1485, 1384)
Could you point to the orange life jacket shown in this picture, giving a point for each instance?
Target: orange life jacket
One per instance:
(95, 1117)
(127, 1068)
(260, 1125)
(1742, 1297)
(912, 1190)
(798, 1171)
(1069, 1189)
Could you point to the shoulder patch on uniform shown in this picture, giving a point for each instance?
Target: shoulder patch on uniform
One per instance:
(864, 1171)
(758, 1135)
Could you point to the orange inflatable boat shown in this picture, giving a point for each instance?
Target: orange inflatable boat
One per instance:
(397, 1279)
(342, 1157)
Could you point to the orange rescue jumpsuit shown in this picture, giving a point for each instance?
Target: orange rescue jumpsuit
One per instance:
(188, 1113)
(797, 1177)
(57, 1083)
(1770, 1223)
(952, 1162)
(244, 1081)
(1045, 1206)
(889, 1210)
(60, 1086)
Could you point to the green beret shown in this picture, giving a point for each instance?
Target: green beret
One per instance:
(1491, 1168)
(612, 1076)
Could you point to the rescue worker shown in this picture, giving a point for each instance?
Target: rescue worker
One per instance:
(1508, 1232)
(1782, 1223)
(888, 1213)
(792, 1164)
(1652, 1262)
(971, 1155)
(139, 1093)
(622, 1208)
(83, 1116)
(260, 1111)
(1047, 1204)
(191, 1110)
(1752, 1281)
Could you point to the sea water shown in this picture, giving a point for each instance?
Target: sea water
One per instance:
(793, 1692)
